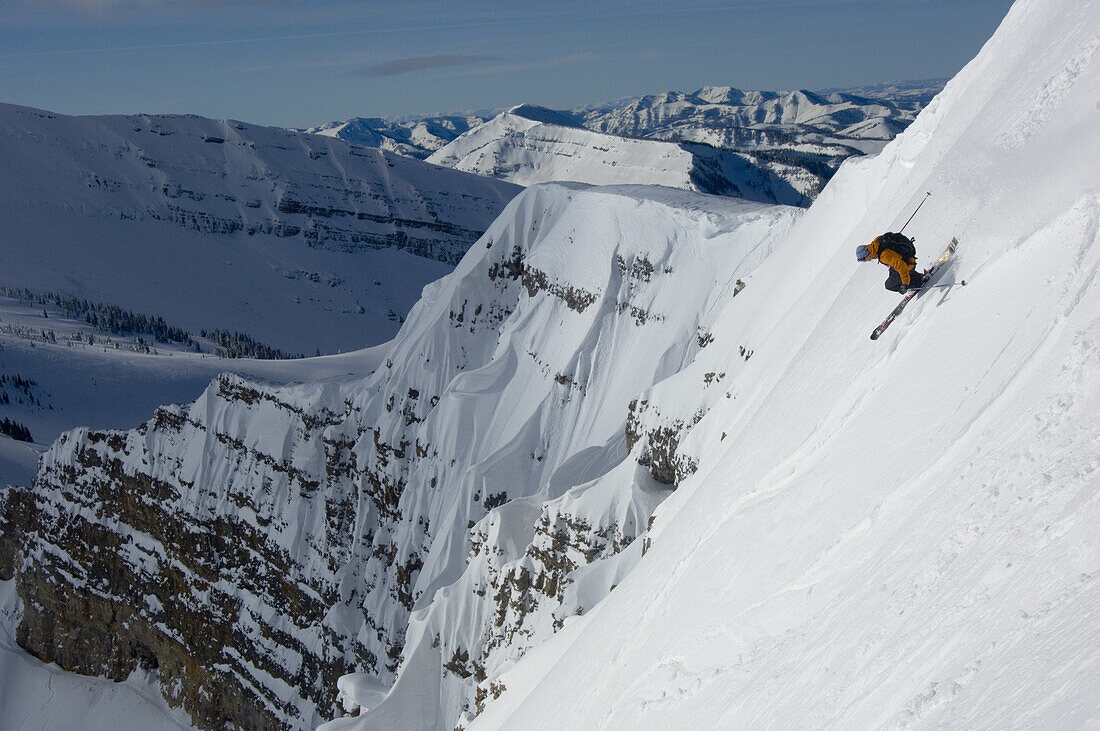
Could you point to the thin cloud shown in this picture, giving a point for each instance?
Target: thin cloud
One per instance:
(571, 60)
(419, 63)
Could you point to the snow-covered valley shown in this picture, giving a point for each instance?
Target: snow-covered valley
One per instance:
(302, 241)
(636, 464)
(58, 372)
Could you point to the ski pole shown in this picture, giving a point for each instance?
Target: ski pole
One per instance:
(915, 212)
(961, 283)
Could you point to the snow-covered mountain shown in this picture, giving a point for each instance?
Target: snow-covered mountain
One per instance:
(864, 117)
(367, 487)
(529, 145)
(299, 240)
(732, 118)
(414, 138)
(799, 137)
(911, 96)
(637, 452)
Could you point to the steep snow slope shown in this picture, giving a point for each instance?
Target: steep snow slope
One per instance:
(543, 430)
(529, 145)
(299, 240)
(895, 533)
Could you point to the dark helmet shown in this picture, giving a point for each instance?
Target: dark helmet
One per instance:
(862, 252)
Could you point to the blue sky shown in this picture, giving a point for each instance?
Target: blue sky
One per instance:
(294, 63)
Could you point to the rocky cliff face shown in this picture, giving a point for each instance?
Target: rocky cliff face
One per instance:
(194, 546)
(445, 513)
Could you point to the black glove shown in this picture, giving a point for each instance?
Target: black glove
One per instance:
(903, 289)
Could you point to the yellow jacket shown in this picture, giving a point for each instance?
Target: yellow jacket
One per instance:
(892, 259)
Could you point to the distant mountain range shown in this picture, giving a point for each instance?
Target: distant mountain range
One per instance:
(786, 145)
(414, 138)
(529, 145)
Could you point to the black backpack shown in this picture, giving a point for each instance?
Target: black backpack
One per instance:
(899, 243)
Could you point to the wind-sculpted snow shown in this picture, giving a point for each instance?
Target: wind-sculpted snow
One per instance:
(302, 241)
(536, 423)
(466, 486)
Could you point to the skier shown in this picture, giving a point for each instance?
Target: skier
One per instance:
(897, 252)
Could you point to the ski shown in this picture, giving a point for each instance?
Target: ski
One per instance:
(932, 271)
